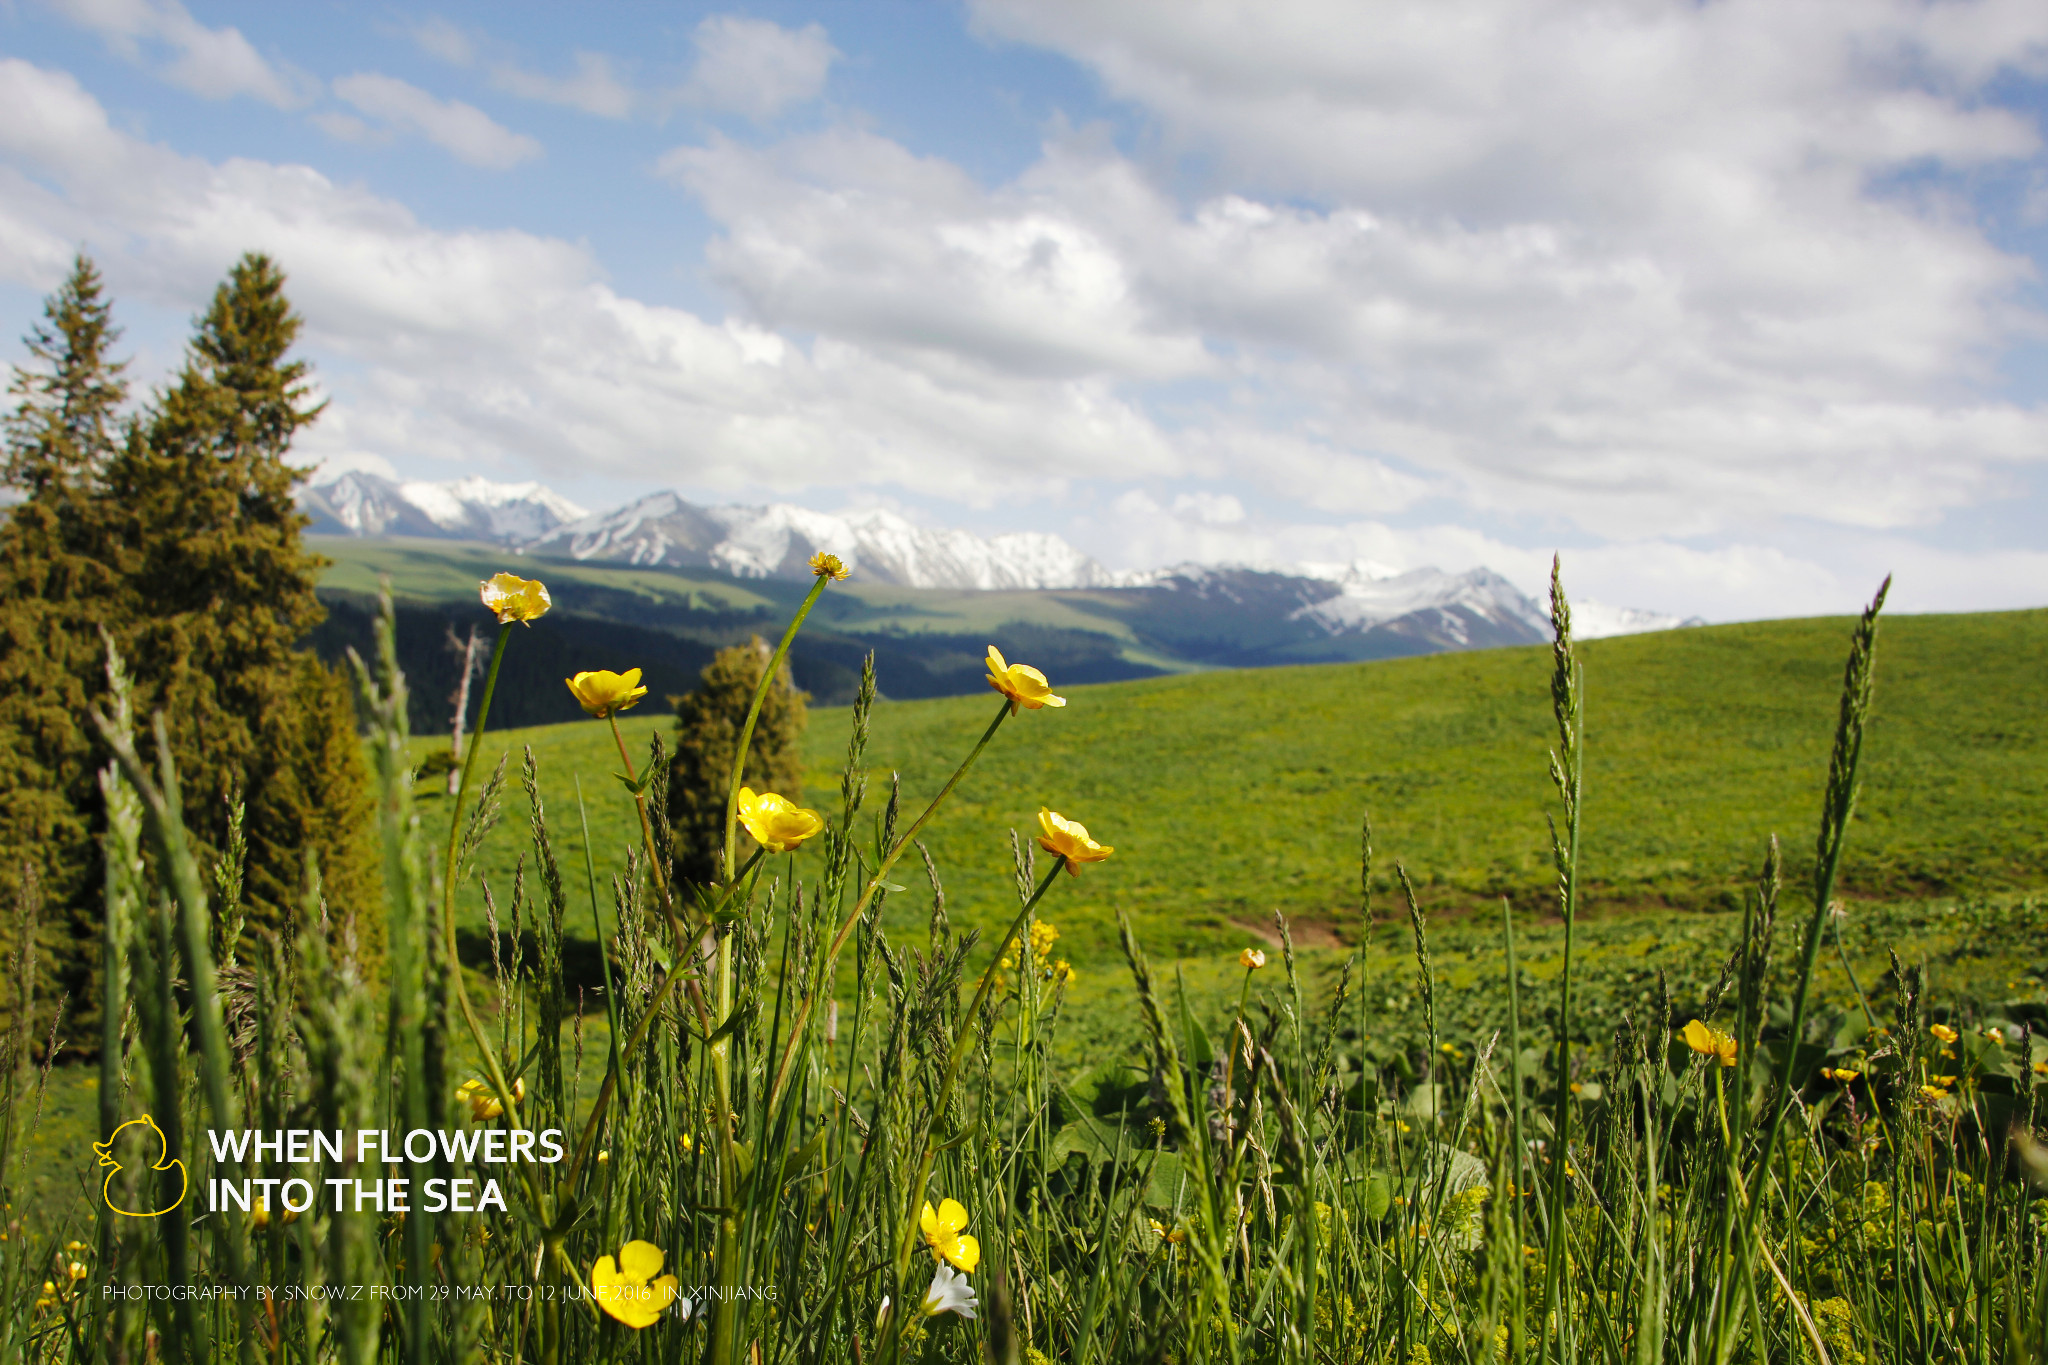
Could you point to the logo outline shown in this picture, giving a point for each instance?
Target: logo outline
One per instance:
(164, 1162)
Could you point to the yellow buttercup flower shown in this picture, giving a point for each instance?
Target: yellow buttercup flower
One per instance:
(605, 693)
(829, 566)
(1024, 685)
(483, 1102)
(1709, 1042)
(1933, 1093)
(1943, 1032)
(942, 1234)
(777, 823)
(627, 1288)
(1840, 1075)
(1068, 839)
(1251, 959)
(513, 598)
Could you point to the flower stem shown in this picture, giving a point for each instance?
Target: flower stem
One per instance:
(954, 1058)
(739, 753)
(802, 1014)
(492, 1071)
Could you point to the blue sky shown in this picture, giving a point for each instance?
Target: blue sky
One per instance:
(1739, 305)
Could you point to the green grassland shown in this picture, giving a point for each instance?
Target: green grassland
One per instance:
(1228, 795)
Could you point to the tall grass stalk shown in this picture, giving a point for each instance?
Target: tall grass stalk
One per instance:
(1287, 1177)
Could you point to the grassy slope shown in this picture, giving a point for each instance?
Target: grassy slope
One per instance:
(435, 570)
(1229, 794)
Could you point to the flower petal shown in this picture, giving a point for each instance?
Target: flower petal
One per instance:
(640, 1261)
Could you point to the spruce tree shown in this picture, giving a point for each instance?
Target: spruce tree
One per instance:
(708, 723)
(217, 589)
(56, 594)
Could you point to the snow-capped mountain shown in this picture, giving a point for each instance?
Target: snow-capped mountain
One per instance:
(1350, 600)
(1596, 620)
(1367, 605)
(1478, 602)
(360, 504)
(775, 541)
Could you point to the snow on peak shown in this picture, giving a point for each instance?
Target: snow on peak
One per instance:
(778, 539)
(1596, 620)
(363, 504)
(1368, 595)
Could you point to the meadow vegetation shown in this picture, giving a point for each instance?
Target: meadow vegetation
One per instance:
(835, 1111)
(1233, 794)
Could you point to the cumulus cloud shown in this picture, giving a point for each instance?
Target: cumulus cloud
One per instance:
(1648, 268)
(216, 63)
(463, 130)
(594, 88)
(755, 67)
(437, 37)
(481, 347)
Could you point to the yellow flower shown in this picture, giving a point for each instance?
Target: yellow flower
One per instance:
(1841, 1075)
(1069, 840)
(942, 1234)
(513, 598)
(777, 823)
(1996, 1035)
(483, 1102)
(829, 566)
(627, 1289)
(605, 693)
(1932, 1093)
(1709, 1042)
(1024, 685)
(1251, 959)
(1943, 1032)
(688, 1144)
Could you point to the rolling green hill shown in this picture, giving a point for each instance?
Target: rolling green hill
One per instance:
(1230, 794)
(928, 642)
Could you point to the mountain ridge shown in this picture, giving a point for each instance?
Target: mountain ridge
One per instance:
(1429, 607)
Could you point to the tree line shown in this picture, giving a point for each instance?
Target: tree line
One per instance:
(169, 531)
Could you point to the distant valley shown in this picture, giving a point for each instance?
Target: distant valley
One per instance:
(666, 581)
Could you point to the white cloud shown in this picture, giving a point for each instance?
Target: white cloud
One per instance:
(1210, 509)
(755, 67)
(461, 129)
(216, 63)
(482, 348)
(595, 88)
(1628, 266)
(437, 37)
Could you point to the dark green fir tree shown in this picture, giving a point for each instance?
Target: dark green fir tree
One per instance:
(218, 591)
(56, 594)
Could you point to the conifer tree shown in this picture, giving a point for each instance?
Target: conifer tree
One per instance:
(708, 723)
(217, 589)
(56, 594)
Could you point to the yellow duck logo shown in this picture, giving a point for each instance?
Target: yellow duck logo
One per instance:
(163, 1162)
